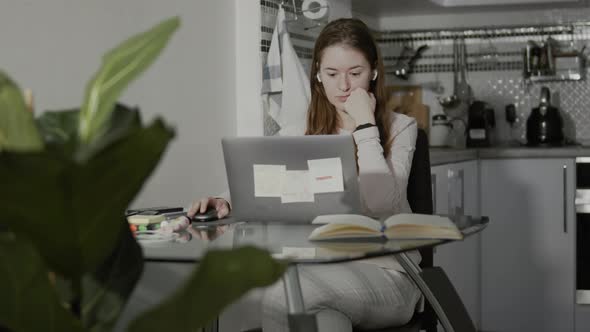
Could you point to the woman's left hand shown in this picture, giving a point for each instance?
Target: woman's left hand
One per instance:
(360, 105)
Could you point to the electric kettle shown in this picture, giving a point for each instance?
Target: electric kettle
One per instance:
(544, 125)
(440, 130)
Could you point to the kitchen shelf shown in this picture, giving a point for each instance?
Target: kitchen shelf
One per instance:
(555, 78)
(485, 32)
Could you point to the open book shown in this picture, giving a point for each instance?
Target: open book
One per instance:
(399, 226)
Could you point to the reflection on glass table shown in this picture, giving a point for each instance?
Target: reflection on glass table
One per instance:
(287, 241)
(290, 242)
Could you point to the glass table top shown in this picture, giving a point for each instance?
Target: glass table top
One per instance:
(286, 241)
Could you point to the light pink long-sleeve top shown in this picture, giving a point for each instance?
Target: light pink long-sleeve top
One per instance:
(384, 181)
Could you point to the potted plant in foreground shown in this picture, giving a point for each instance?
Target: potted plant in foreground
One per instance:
(68, 261)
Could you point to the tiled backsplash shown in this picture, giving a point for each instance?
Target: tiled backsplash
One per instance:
(497, 80)
(502, 88)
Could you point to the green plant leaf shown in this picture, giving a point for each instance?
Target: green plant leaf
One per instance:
(105, 292)
(73, 212)
(59, 127)
(32, 201)
(17, 127)
(29, 301)
(123, 121)
(120, 66)
(60, 130)
(221, 278)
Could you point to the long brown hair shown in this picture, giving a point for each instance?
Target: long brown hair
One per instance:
(322, 118)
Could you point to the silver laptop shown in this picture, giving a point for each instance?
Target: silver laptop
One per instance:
(242, 153)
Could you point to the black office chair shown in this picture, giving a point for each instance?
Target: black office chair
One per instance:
(419, 194)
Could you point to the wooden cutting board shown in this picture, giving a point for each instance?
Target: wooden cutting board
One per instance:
(408, 100)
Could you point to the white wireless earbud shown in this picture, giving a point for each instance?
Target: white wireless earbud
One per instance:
(317, 76)
(374, 75)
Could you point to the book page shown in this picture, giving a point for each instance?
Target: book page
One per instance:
(348, 219)
(345, 226)
(339, 231)
(421, 226)
(422, 232)
(419, 219)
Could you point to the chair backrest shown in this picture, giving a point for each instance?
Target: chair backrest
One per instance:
(419, 184)
(419, 194)
(419, 189)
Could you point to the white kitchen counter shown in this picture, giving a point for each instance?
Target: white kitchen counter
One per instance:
(439, 156)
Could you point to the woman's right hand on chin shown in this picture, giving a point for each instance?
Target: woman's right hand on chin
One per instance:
(200, 206)
(360, 105)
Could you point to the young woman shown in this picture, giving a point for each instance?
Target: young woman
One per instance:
(348, 98)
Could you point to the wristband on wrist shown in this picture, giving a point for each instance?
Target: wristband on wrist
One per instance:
(364, 125)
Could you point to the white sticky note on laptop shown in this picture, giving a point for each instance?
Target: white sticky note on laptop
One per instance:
(326, 175)
(267, 180)
(296, 187)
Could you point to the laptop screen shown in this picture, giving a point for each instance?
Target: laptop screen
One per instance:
(291, 178)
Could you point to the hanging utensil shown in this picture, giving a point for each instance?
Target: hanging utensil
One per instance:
(400, 63)
(463, 91)
(403, 68)
(488, 53)
(452, 100)
(436, 86)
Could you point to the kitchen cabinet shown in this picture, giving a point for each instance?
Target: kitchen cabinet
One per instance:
(455, 188)
(582, 318)
(528, 249)
(455, 191)
(439, 180)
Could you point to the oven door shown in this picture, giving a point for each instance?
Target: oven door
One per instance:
(583, 230)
